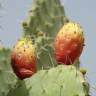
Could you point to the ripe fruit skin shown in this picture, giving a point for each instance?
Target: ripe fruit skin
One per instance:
(23, 58)
(68, 44)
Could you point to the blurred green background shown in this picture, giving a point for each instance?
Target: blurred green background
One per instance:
(13, 12)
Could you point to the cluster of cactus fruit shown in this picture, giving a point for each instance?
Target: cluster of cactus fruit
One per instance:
(44, 58)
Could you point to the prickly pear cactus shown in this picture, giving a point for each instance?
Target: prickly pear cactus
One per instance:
(45, 19)
(7, 77)
(60, 81)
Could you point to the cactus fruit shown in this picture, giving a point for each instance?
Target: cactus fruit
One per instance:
(7, 77)
(69, 43)
(62, 80)
(23, 58)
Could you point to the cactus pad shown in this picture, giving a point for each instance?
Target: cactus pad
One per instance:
(7, 77)
(60, 81)
(44, 16)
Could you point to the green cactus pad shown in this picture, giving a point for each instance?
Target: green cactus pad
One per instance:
(60, 81)
(7, 77)
(45, 16)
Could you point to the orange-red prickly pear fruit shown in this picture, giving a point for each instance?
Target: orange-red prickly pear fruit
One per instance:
(23, 58)
(69, 43)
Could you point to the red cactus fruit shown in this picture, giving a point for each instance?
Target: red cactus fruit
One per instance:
(23, 58)
(69, 43)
